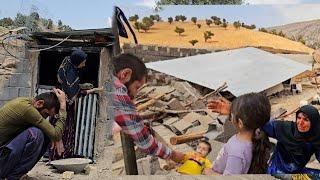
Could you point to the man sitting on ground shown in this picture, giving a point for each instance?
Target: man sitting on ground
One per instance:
(25, 132)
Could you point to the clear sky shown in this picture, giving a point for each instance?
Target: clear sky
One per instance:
(83, 14)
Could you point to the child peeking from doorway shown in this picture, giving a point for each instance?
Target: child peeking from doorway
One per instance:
(194, 162)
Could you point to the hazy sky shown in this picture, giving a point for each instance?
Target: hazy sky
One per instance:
(83, 14)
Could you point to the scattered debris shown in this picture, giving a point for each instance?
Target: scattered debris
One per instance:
(67, 175)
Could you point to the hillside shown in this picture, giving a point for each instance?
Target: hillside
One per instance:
(162, 33)
(309, 30)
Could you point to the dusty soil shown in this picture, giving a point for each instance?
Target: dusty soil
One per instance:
(162, 33)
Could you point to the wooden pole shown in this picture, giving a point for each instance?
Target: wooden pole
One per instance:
(129, 155)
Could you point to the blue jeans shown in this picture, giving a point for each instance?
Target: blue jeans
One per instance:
(22, 153)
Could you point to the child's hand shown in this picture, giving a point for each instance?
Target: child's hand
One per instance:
(177, 156)
(170, 165)
(220, 105)
(207, 171)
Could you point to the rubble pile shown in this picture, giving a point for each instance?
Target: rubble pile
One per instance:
(172, 110)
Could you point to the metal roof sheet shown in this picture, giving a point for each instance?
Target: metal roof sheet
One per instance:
(245, 70)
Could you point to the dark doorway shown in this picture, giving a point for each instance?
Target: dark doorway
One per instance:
(49, 62)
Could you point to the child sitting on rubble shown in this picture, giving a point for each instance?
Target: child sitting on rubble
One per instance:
(194, 162)
(249, 150)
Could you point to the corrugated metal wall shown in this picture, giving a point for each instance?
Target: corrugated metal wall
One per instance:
(86, 113)
(85, 116)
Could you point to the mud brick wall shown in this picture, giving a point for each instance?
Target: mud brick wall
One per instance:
(152, 53)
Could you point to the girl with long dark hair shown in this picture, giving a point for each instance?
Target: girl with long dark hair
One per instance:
(247, 151)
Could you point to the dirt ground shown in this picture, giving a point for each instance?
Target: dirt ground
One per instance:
(162, 33)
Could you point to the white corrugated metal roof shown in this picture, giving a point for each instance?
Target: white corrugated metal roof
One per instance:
(245, 70)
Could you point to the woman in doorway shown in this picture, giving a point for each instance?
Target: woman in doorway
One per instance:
(69, 82)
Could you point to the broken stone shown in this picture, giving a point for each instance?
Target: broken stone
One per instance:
(222, 119)
(186, 89)
(197, 129)
(175, 104)
(160, 104)
(161, 90)
(9, 63)
(5, 72)
(275, 89)
(198, 105)
(189, 120)
(170, 120)
(67, 175)
(163, 134)
(91, 170)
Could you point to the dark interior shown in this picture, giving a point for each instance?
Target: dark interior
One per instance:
(49, 62)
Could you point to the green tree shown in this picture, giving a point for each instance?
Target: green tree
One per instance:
(263, 30)
(20, 20)
(170, 20)
(199, 26)
(225, 25)
(252, 26)
(145, 27)
(198, 2)
(152, 17)
(60, 25)
(194, 20)
(214, 18)
(179, 30)
(67, 28)
(300, 39)
(274, 31)
(208, 22)
(35, 15)
(207, 35)
(148, 21)
(137, 26)
(183, 18)
(193, 42)
(237, 24)
(6, 22)
(217, 22)
(156, 18)
(134, 18)
(177, 18)
(49, 24)
(281, 34)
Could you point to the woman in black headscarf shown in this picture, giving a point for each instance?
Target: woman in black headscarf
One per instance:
(297, 142)
(69, 82)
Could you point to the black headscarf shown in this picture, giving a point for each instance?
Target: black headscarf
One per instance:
(68, 74)
(292, 142)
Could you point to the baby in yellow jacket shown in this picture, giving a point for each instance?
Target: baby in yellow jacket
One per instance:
(195, 162)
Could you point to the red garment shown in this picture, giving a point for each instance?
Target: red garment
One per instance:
(132, 124)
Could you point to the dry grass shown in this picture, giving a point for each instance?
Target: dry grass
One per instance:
(162, 33)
